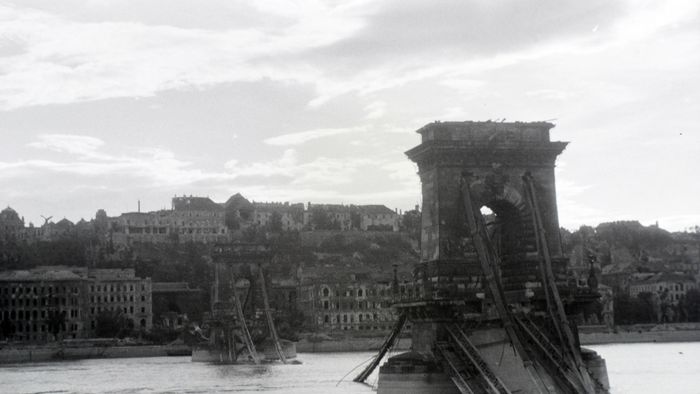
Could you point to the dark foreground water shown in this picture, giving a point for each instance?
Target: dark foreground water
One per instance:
(633, 368)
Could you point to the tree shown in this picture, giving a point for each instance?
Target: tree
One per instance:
(411, 223)
(633, 310)
(691, 304)
(56, 322)
(113, 324)
(7, 329)
(232, 220)
(355, 220)
(320, 220)
(275, 224)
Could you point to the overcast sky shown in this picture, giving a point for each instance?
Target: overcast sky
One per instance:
(103, 103)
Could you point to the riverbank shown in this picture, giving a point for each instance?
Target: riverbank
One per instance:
(641, 333)
(336, 345)
(56, 352)
(649, 333)
(591, 335)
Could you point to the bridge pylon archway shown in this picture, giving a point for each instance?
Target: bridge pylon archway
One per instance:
(493, 279)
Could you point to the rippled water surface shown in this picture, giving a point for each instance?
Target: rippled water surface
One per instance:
(319, 373)
(652, 367)
(633, 368)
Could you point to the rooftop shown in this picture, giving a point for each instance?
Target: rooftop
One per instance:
(195, 204)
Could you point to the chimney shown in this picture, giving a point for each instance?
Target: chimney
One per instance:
(139, 204)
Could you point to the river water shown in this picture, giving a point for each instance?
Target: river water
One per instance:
(633, 368)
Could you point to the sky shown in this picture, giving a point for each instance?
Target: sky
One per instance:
(107, 103)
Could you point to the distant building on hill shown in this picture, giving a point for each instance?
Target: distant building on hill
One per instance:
(351, 217)
(195, 219)
(11, 225)
(378, 217)
(200, 219)
(289, 217)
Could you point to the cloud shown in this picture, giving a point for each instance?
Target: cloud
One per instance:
(344, 84)
(309, 135)
(66, 143)
(88, 158)
(284, 166)
(65, 60)
(375, 109)
(96, 51)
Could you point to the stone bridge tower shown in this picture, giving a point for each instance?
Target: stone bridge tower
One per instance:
(492, 157)
(501, 283)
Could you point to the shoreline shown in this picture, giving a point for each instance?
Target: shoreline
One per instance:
(611, 338)
(54, 352)
(625, 335)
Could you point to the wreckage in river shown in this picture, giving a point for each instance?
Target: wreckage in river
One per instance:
(237, 330)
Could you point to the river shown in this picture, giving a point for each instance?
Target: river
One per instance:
(633, 368)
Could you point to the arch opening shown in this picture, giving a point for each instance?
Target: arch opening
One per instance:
(509, 229)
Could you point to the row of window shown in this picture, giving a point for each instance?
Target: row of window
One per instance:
(36, 290)
(112, 298)
(44, 328)
(130, 310)
(112, 288)
(33, 315)
(351, 318)
(326, 292)
(93, 323)
(35, 302)
(351, 305)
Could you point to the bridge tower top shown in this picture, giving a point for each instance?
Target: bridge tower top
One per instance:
(495, 156)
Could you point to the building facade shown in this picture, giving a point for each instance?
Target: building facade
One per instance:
(351, 217)
(290, 216)
(670, 287)
(46, 303)
(347, 302)
(41, 304)
(191, 219)
(118, 290)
